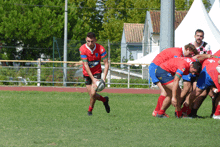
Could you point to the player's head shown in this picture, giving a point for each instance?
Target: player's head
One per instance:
(90, 40)
(190, 50)
(199, 35)
(195, 67)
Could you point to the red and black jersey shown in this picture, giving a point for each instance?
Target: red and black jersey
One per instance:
(93, 57)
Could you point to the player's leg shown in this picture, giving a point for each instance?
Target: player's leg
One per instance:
(187, 88)
(178, 111)
(214, 103)
(160, 100)
(155, 80)
(198, 102)
(217, 111)
(200, 84)
(166, 103)
(165, 79)
(105, 100)
(91, 92)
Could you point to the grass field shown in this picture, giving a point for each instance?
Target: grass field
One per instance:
(60, 119)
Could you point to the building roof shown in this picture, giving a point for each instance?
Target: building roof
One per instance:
(133, 32)
(155, 19)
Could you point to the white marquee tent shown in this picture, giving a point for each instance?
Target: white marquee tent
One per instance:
(146, 59)
(214, 14)
(197, 18)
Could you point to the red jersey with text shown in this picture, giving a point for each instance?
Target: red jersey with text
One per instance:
(168, 54)
(93, 57)
(178, 66)
(211, 65)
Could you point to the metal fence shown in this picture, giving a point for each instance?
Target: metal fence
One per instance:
(50, 73)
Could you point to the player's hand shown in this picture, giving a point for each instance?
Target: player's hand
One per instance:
(94, 83)
(174, 101)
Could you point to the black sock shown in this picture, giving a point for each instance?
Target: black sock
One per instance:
(193, 112)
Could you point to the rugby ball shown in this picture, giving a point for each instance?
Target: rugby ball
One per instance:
(100, 85)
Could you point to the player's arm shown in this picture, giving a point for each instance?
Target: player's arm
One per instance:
(202, 57)
(186, 87)
(174, 89)
(105, 60)
(213, 56)
(195, 93)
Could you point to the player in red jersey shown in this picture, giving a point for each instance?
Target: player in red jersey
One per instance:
(189, 81)
(91, 55)
(208, 78)
(187, 51)
(169, 74)
(197, 102)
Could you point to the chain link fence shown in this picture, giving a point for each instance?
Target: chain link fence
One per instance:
(50, 73)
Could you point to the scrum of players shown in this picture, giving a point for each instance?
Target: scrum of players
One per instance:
(199, 70)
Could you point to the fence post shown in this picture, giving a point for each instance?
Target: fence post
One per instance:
(128, 76)
(38, 71)
(54, 39)
(109, 77)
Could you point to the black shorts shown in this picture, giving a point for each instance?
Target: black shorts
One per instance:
(88, 80)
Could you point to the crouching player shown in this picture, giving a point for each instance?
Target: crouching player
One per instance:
(91, 55)
(186, 51)
(169, 74)
(208, 78)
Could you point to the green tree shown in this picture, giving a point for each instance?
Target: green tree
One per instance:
(30, 25)
(89, 19)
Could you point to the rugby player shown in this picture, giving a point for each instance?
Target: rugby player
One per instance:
(209, 77)
(91, 55)
(189, 81)
(169, 74)
(186, 51)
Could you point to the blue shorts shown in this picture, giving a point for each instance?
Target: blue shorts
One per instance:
(152, 70)
(204, 80)
(189, 78)
(164, 76)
